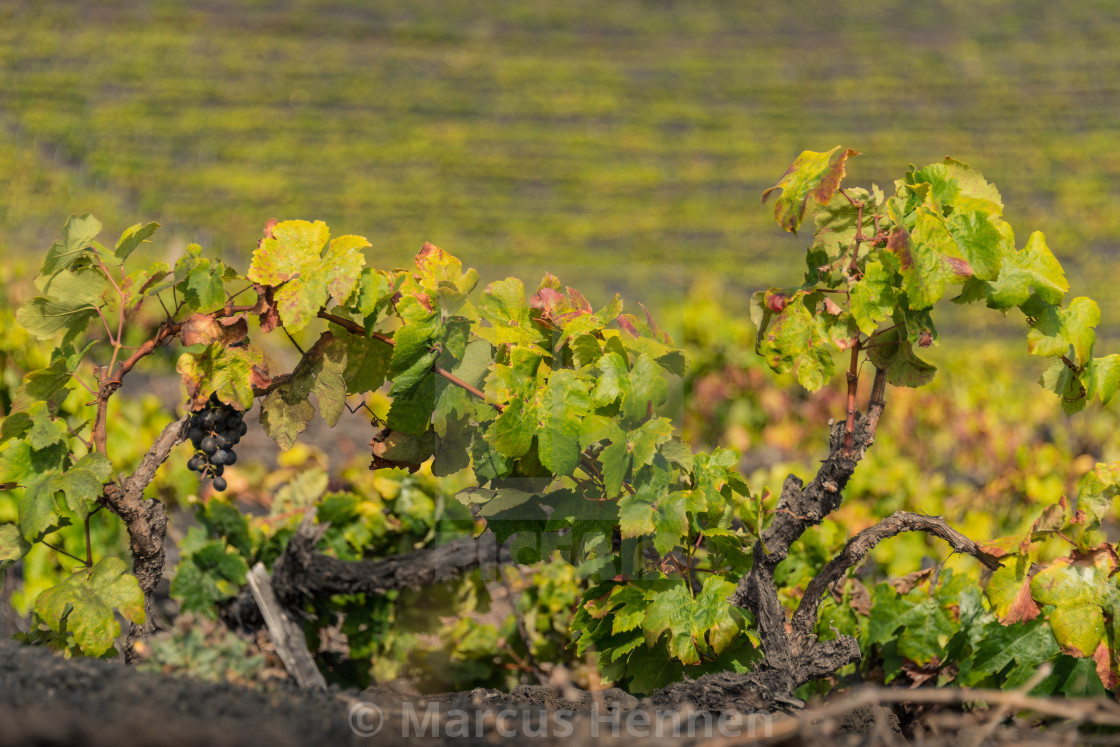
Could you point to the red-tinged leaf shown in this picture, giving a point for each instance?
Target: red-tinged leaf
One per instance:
(265, 308)
(223, 370)
(1053, 518)
(268, 226)
(1004, 546)
(1106, 667)
(305, 269)
(1009, 591)
(813, 175)
(899, 243)
(776, 302)
(200, 329)
(626, 322)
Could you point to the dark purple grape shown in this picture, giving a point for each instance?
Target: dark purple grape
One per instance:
(221, 456)
(243, 429)
(196, 464)
(219, 484)
(209, 445)
(216, 470)
(224, 440)
(196, 435)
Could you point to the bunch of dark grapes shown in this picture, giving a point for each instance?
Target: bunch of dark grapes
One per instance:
(214, 431)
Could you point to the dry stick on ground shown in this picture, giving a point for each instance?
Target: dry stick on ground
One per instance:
(1102, 711)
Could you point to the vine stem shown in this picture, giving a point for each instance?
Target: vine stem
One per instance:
(60, 551)
(89, 545)
(853, 384)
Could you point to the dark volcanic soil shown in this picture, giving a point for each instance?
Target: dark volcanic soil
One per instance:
(45, 699)
(48, 700)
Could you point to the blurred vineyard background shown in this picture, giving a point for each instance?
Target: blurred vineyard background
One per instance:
(621, 146)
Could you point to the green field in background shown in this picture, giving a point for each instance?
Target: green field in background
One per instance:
(611, 142)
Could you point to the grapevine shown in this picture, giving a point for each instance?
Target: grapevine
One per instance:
(552, 407)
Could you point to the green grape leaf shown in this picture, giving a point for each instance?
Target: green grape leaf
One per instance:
(670, 521)
(943, 188)
(200, 280)
(647, 437)
(1098, 491)
(45, 430)
(1102, 377)
(1076, 591)
(511, 433)
(1026, 645)
(671, 611)
(925, 260)
(12, 545)
(503, 305)
(635, 514)
(39, 513)
(792, 339)
(453, 447)
(88, 601)
(83, 483)
(1057, 329)
(284, 417)
(77, 238)
(812, 175)
(225, 371)
(564, 402)
(613, 380)
(650, 670)
(142, 282)
(677, 452)
(441, 279)
(414, 354)
(835, 232)
(1078, 629)
(1033, 269)
(1009, 591)
(712, 615)
(891, 351)
(689, 621)
(630, 608)
(133, 237)
(208, 574)
(648, 389)
(411, 412)
(488, 463)
(872, 298)
(296, 258)
(974, 193)
(979, 242)
(71, 299)
(919, 624)
(367, 362)
(409, 450)
(615, 460)
(1066, 383)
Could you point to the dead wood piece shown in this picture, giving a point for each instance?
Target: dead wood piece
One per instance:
(302, 572)
(287, 636)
